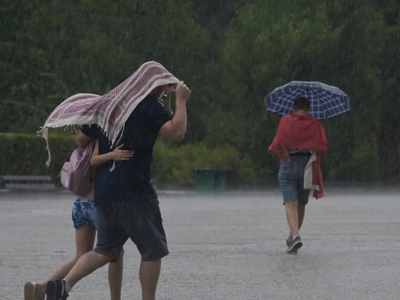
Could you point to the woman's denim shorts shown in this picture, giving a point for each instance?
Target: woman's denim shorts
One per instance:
(84, 212)
(291, 180)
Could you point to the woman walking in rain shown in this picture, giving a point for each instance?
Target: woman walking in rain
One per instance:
(85, 218)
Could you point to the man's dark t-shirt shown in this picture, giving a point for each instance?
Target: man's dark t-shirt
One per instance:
(130, 180)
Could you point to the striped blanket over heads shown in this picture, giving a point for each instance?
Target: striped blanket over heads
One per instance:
(111, 110)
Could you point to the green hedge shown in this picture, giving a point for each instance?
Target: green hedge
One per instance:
(361, 165)
(25, 154)
(173, 165)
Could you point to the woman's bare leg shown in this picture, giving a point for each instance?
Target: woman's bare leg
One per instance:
(84, 238)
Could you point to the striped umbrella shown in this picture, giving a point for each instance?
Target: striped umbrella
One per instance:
(326, 101)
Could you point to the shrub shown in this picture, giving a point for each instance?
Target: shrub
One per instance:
(26, 154)
(362, 165)
(173, 165)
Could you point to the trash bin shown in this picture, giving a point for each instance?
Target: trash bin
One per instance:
(210, 180)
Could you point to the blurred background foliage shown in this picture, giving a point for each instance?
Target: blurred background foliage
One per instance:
(231, 54)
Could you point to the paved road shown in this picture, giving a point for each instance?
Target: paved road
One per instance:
(230, 247)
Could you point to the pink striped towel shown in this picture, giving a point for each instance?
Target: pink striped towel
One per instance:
(111, 110)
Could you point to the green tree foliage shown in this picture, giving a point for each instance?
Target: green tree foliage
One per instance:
(268, 45)
(66, 47)
(388, 101)
(349, 44)
(231, 54)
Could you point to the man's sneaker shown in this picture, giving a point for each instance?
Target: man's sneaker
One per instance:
(287, 245)
(33, 291)
(56, 290)
(294, 245)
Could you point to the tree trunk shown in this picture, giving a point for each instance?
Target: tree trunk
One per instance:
(388, 141)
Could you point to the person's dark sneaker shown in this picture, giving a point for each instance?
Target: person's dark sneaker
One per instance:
(294, 245)
(56, 290)
(287, 245)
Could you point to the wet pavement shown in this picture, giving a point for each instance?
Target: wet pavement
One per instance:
(228, 247)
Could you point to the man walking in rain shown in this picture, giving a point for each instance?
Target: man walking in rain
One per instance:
(297, 137)
(126, 202)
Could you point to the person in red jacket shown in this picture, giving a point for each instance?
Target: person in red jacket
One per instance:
(297, 137)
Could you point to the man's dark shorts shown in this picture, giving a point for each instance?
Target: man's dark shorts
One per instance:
(139, 220)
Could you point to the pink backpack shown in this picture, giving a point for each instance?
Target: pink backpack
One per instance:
(75, 175)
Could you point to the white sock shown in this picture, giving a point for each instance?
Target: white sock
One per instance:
(66, 286)
(294, 237)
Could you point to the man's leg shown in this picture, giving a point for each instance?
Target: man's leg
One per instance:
(149, 274)
(292, 213)
(115, 271)
(292, 217)
(301, 209)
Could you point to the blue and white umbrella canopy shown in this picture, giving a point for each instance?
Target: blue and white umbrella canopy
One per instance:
(326, 101)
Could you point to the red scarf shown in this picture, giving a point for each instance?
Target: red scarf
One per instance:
(299, 132)
(302, 132)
